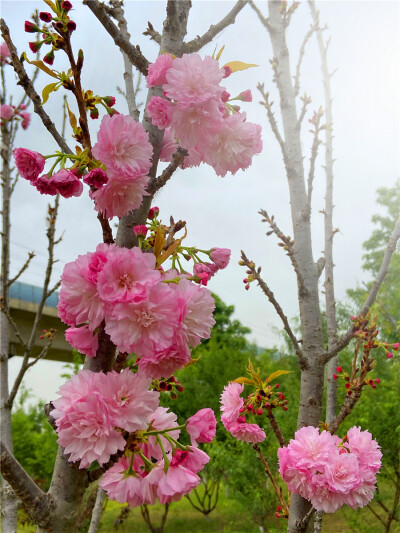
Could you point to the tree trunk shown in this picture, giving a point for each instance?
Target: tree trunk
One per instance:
(97, 511)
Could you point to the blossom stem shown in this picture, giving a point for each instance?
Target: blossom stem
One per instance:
(166, 460)
(175, 443)
(147, 463)
(130, 469)
(49, 174)
(162, 431)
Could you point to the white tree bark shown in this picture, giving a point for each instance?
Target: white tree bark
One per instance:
(97, 511)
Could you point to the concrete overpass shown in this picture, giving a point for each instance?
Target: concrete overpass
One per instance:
(24, 302)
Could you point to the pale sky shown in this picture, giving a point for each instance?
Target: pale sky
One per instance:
(223, 211)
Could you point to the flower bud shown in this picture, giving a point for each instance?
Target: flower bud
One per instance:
(228, 71)
(225, 96)
(46, 17)
(35, 45)
(66, 6)
(335, 376)
(30, 27)
(339, 369)
(153, 212)
(389, 355)
(246, 96)
(109, 100)
(71, 26)
(49, 58)
(59, 25)
(377, 380)
(140, 230)
(94, 113)
(347, 385)
(395, 346)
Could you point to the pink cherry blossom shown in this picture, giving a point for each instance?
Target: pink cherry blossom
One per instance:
(202, 426)
(247, 432)
(30, 164)
(233, 145)
(130, 393)
(4, 52)
(160, 419)
(144, 326)
(297, 479)
(6, 112)
(96, 178)
(195, 124)
(122, 487)
(196, 312)
(365, 448)
(79, 301)
(118, 197)
(342, 473)
(193, 159)
(246, 96)
(174, 484)
(81, 384)
(323, 498)
(156, 74)
(45, 185)
(87, 433)
(163, 363)
(83, 339)
(194, 459)
(220, 256)
(26, 119)
(127, 275)
(231, 402)
(192, 79)
(157, 110)
(123, 147)
(310, 449)
(67, 184)
(169, 146)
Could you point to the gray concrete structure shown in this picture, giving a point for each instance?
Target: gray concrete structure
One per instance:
(24, 300)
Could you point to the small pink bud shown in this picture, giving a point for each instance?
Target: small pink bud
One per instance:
(225, 96)
(341, 451)
(389, 355)
(278, 508)
(94, 113)
(278, 515)
(59, 25)
(241, 420)
(260, 412)
(335, 376)
(339, 369)
(347, 385)
(242, 410)
(285, 408)
(96, 178)
(109, 100)
(203, 277)
(245, 280)
(247, 287)
(228, 71)
(246, 96)
(153, 212)
(277, 385)
(377, 380)
(49, 58)
(140, 230)
(395, 346)
(23, 106)
(35, 46)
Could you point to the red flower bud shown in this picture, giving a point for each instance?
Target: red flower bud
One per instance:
(66, 6)
(277, 515)
(285, 408)
(35, 46)
(277, 385)
(94, 113)
(180, 388)
(30, 27)
(395, 346)
(377, 380)
(71, 26)
(335, 376)
(389, 355)
(339, 369)
(49, 58)
(59, 25)
(140, 230)
(260, 412)
(46, 17)
(347, 385)
(153, 212)
(109, 100)
(278, 508)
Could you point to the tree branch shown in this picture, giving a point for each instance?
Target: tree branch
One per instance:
(384, 268)
(263, 20)
(270, 295)
(271, 118)
(26, 84)
(177, 160)
(196, 44)
(133, 52)
(31, 255)
(313, 157)
(12, 323)
(375, 514)
(301, 56)
(275, 427)
(37, 503)
(306, 100)
(152, 33)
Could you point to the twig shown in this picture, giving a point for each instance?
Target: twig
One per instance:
(177, 160)
(116, 10)
(196, 44)
(152, 33)
(263, 20)
(10, 319)
(384, 268)
(375, 514)
(275, 427)
(27, 85)
(271, 118)
(50, 292)
(37, 503)
(255, 273)
(133, 52)
(313, 157)
(306, 100)
(31, 255)
(277, 489)
(42, 353)
(301, 56)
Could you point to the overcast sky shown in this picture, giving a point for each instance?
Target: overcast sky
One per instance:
(223, 211)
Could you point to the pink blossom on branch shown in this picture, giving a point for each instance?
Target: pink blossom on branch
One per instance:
(4, 53)
(202, 426)
(30, 164)
(157, 71)
(158, 109)
(6, 112)
(67, 184)
(83, 339)
(220, 256)
(231, 402)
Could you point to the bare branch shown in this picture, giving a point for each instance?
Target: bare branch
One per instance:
(320, 265)
(196, 44)
(133, 52)
(376, 285)
(263, 20)
(10, 319)
(37, 503)
(301, 56)
(314, 154)
(152, 33)
(255, 273)
(274, 126)
(31, 255)
(376, 514)
(306, 100)
(42, 353)
(275, 427)
(177, 160)
(116, 10)
(28, 87)
(277, 489)
(50, 292)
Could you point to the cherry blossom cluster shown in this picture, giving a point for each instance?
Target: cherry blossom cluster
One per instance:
(331, 472)
(12, 112)
(99, 415)
(157, 315)
(4, 53)
(196, 114)
(351, 383)
(58, 21)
